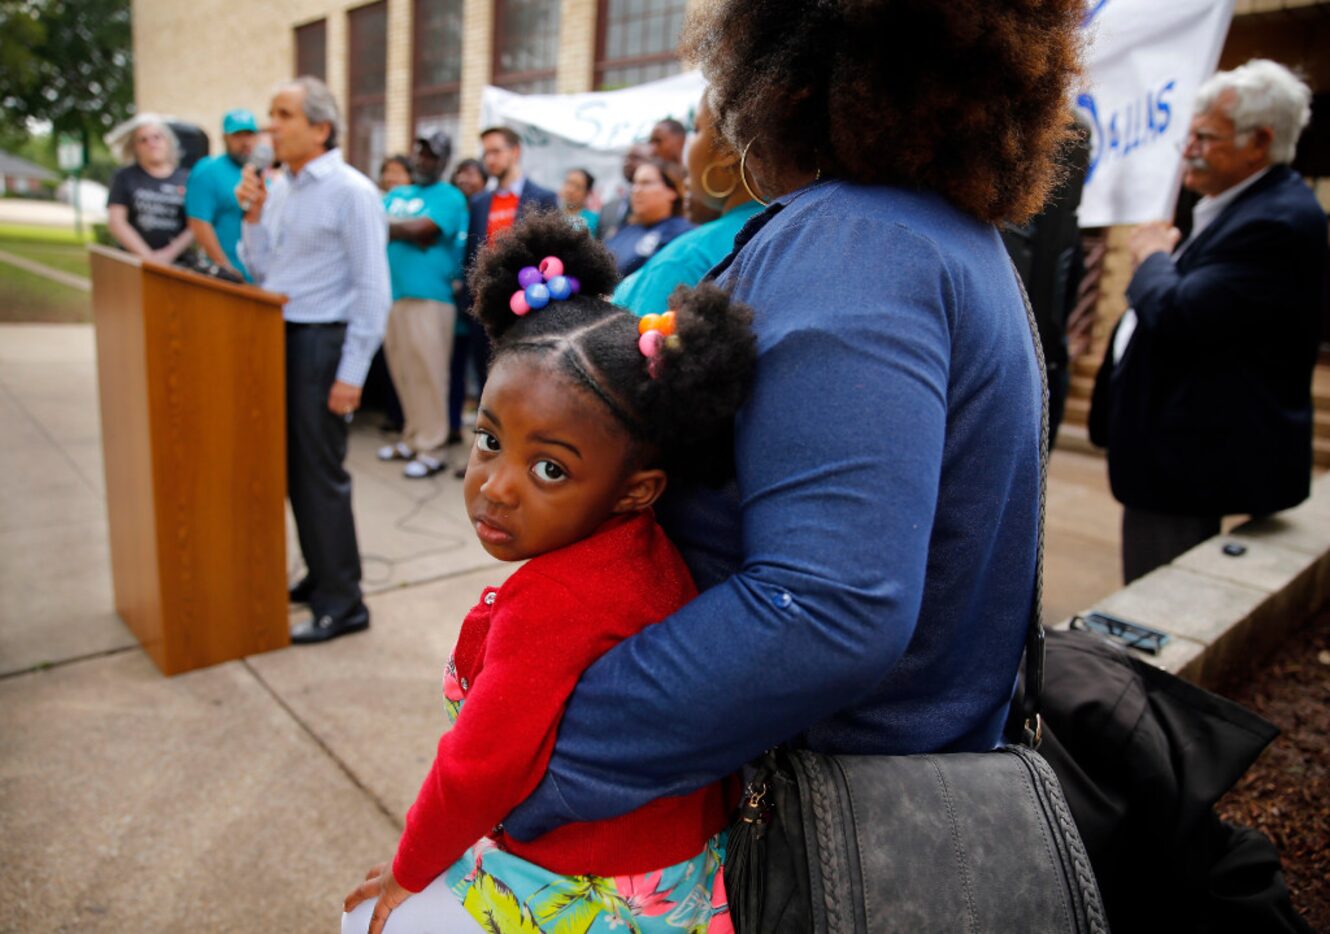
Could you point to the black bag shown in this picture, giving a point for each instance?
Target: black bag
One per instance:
(973, 842)
(969, 842)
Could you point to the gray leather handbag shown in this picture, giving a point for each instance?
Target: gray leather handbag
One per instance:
(960, 842)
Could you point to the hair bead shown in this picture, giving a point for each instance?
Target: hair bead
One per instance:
(537, 295)
(560, 288)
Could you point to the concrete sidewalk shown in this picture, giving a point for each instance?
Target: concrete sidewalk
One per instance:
(251, 795)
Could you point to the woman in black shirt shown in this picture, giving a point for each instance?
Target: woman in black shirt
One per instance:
(146, 204)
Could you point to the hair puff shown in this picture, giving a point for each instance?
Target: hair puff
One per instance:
(493, 278)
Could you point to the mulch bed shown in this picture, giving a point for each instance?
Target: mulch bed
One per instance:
(1286, 793)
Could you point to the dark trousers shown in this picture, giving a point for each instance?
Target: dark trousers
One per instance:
(316, 480)
(1153, 539)
(457, 380)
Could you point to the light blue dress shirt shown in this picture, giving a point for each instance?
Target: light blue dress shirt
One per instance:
(322, 241)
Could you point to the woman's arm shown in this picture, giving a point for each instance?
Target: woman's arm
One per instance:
(117, 222)
(178, 245)
(839, 458)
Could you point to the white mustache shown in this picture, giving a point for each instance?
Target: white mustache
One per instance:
(1197, 164)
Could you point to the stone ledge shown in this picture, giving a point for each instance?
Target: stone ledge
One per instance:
(1224, 611)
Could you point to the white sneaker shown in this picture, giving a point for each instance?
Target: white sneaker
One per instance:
(395, 452)
(423, 466)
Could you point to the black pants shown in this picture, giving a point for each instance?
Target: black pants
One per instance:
(316, 480)
(1153, 539)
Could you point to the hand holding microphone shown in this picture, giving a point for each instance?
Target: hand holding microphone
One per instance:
(251, 192)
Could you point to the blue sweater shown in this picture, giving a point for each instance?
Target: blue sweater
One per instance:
(868, 577)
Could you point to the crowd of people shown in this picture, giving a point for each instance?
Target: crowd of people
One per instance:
(767, 430)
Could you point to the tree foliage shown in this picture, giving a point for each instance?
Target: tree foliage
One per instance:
(68, 63)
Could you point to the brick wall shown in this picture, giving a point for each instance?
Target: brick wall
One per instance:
(397, 106)
(195, 61)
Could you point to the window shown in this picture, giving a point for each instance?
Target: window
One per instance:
(526, 45)
(636, 41)
(437, 75)
(312, 49)
(366, 127)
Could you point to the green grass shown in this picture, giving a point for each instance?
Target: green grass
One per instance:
(25, 297)
(71, 258)
(34, 234)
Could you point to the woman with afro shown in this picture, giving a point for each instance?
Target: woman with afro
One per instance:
(868, 575)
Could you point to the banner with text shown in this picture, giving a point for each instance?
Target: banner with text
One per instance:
(589, 131)
(1145, 61)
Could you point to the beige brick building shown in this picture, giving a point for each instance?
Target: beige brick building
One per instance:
(397, 67)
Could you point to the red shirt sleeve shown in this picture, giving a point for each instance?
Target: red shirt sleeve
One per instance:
(541, 638)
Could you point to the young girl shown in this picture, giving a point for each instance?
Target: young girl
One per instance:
(585, 413)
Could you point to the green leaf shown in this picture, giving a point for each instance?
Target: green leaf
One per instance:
(490, 899)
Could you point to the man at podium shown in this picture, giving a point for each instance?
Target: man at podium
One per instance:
(318, 235)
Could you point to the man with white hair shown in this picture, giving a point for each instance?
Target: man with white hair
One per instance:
(318, 235)
(1204, 398)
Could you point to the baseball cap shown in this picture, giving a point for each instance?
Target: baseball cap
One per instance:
(439, 143)
(239, 120)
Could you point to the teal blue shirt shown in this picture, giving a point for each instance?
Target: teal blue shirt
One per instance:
(427, 271)
(591, 219)
(211, 196)
(683, 261)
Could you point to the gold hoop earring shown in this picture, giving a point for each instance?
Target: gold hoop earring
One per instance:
(743, 174)
(713, 193)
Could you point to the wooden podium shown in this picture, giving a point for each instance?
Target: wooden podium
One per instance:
(191, 372)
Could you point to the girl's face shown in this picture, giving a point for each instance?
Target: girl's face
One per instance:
(548, 466)
(652, 197)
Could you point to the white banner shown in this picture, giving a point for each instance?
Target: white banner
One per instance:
(1145, 61)
(589, 131)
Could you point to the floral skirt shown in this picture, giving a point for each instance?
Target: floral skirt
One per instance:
(506, 893)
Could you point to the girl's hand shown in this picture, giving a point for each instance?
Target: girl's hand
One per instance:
(379, 882)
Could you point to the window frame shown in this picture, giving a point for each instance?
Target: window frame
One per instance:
(507, 80)
(322, 27)
(603, 64)
(355, 100)
(418, 90)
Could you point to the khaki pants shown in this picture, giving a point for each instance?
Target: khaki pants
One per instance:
(419, 346)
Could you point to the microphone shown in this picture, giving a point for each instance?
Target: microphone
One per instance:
(262, 159)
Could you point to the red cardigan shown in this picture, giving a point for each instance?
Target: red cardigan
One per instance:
(518, 658)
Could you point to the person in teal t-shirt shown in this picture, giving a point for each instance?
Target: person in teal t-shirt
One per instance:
(714, 188)
(427, 226)
(210, 201)
(577, 184)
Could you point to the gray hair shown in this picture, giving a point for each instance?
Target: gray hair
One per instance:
(1264, 94)
(319, 106)
(127, 154)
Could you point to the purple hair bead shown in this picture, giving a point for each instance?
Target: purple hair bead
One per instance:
(574, 284)
(529, 276)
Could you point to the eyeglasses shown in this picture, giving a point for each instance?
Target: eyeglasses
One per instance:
(1205, 139)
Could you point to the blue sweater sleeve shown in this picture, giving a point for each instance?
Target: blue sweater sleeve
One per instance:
(839, 452)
